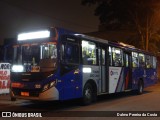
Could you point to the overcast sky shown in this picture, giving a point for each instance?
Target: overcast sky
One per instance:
(21, 15)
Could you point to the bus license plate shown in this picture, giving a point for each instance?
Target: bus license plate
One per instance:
(24, 93)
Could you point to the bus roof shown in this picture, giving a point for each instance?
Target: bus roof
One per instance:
(57, 31)
(122, 45)
(92, 38)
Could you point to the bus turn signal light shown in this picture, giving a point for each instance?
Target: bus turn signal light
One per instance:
(17, 85)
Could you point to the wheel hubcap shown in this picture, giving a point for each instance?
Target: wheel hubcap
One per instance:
(88, 93)
(141, 89)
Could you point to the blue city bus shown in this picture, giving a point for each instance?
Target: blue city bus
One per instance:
(58, 64)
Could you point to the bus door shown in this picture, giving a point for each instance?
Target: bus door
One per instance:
(103, 85)
(127, 71)
(70, 68)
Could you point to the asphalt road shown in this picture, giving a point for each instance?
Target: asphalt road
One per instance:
(115, 105)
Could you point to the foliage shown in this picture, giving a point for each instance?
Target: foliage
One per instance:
(138, 15)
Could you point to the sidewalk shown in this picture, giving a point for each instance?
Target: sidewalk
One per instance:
(6, 101)
(4, 97)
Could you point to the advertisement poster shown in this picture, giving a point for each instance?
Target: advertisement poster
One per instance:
(4, 78)
(114, 78)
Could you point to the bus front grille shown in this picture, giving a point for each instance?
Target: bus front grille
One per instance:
(31, 93)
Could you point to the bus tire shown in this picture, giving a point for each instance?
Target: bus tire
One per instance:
(140, 87)
(88, 94)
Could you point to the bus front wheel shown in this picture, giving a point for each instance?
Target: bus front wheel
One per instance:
(88, 94)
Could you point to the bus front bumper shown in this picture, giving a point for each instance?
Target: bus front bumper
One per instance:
(48, 95)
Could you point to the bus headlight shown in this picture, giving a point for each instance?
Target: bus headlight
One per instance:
(17, 68)
(49, 85)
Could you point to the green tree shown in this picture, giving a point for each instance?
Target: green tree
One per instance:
(139, 15)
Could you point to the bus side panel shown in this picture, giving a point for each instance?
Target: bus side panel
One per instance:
(137, 74)
(151, 77)
(119, 79)
(135, 77)
(91, 75)
(148, 76)
(72, 84)
(127, 84)
(116, 79)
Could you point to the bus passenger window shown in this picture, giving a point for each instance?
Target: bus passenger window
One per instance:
(88, 53)
(148, 61)
(85, 57)
(53, 52)
(117, 56)
(126, 60)
(154, 62)
(135, 62)
(103, 57)
(110, 56)
(141, 60)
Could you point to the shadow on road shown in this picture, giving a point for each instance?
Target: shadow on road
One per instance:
(115, 96)
(69, 104)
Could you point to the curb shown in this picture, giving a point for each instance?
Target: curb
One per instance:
(4, 94)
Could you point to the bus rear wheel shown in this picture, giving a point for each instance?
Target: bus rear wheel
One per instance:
(140, 88)
(89, 95)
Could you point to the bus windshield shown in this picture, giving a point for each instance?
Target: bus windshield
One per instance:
(43, 55)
